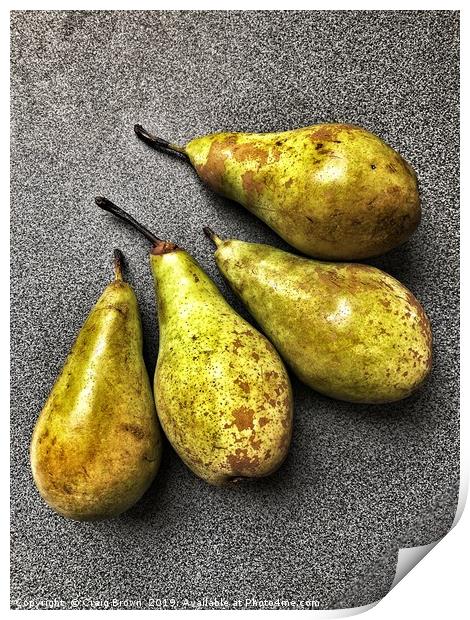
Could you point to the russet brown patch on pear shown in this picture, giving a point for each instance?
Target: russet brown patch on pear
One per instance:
(240, 462)
(270, 400)
(323, 133)
(243, 418)
(243, 385)
(271, 373)
(330, 132)
(280, 389)
(213, 170)
(250, 152)
(251, 185)
(237, 343)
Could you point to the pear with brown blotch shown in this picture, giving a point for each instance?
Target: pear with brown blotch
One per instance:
(222, 392)
(333, 191)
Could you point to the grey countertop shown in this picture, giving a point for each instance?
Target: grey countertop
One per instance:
(360, 481)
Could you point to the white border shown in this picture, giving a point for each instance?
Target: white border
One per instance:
(438, 587)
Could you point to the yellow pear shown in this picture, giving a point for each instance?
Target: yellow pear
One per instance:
(347, 330)
(333, 191)
(96, 446)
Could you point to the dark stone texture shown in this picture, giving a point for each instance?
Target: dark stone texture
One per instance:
(360, 481)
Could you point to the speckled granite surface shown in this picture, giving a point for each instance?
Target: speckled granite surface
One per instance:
(360, 481)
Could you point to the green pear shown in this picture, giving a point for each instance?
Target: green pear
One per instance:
(347, 330)
(333, 191)
(96, 446)
(223, 395)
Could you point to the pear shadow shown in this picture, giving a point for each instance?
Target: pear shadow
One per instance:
(376, 413)
(149, 503)
(413, 410)
(151, 341)
(227, 209)
(399, 262)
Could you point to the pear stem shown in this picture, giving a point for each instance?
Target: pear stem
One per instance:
(118, 261)
(107, 205)
(155, 142)
(210, 234)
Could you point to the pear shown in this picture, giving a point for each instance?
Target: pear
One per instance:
(347, 330)
(222, 392)
(96, 446)
(333, 191)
